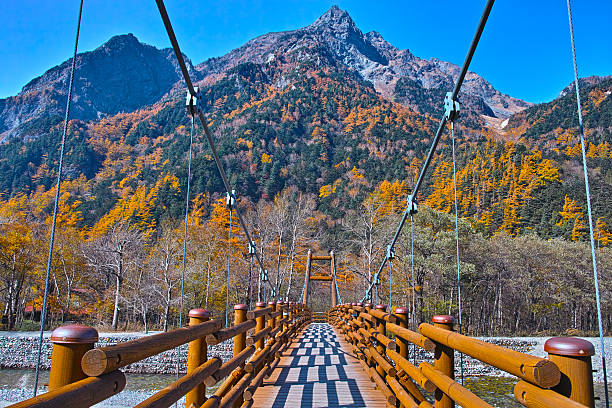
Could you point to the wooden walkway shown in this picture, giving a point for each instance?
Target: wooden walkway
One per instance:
(318, 371)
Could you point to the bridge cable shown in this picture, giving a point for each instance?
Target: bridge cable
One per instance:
(443, 121)
(588, 198)
(457, 240)
(192, 90)
(55, 205)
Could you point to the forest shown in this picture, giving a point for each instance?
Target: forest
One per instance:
(323, 163)
(124, 273)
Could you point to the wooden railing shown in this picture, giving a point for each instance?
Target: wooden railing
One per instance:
(319, 317)
(82, 376)
(381, 340)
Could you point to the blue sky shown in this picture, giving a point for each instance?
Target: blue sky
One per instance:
(525, 49)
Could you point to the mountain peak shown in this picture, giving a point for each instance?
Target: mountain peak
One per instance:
(336, 19)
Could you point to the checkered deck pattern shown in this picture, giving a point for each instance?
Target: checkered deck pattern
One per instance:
(318, 371)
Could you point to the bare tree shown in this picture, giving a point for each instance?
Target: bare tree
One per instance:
(112, 254)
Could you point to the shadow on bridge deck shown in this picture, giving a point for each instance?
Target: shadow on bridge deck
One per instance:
(317, 371)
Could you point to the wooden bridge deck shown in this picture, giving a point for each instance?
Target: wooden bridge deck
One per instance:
(318, 371)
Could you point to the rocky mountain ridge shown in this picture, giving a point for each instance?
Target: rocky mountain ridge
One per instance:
(121, 75)
(335, 41)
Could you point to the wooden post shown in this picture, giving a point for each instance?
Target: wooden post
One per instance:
(279, 307)
(573, 357)
(240, 339)
(70, 343)
(402, 320)
(240, 312)
(444, 360)
(307, 278)
(196, 356)
(260, 324)
(334, 293)
(380, 327)
(272, 322)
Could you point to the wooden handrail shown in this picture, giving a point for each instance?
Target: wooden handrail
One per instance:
(182, 386)
(236, 391)
(229, 366)
(254, 314)
(412, 371)
(539, 371)
(404, 398)
(225, 334)
(453, 389)
(106, 359)
(535, 397)
(254, 338)
(412, 337)
(84, 393)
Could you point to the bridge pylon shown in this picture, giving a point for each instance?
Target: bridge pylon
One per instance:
(321, 277)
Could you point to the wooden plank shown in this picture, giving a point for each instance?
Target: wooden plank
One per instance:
(318, 370)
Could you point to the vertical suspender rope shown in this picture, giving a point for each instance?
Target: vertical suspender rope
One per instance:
(229, 258)
(389, 285)
(413, 285)
(55, 205)
(588, 197)
(457, 239)
(186, 219)
(250, 276)
(185, 238)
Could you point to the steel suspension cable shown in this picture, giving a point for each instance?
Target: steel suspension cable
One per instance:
(457, 239)
(181, 61)
(56, 203)
(464, 69)
(588, 198)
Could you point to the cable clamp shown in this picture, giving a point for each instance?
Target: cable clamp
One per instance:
(412, 207)
(192, 102)
(451, 107)
(251, 249)
(390, 252)
(230, 199)
(263, 275)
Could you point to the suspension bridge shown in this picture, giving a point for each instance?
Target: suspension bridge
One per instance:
(285, 355)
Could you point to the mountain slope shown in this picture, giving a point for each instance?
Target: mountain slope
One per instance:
(331, 111)
(122, 75)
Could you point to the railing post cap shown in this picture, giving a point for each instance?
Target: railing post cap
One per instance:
(260, 304)
(74, 334)
(569, 346)
(241, 306)
(401, 310)
(443, 319)
(353, 304)
(368, 304)
(271, 303)
(200, 313)
(381, 307)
